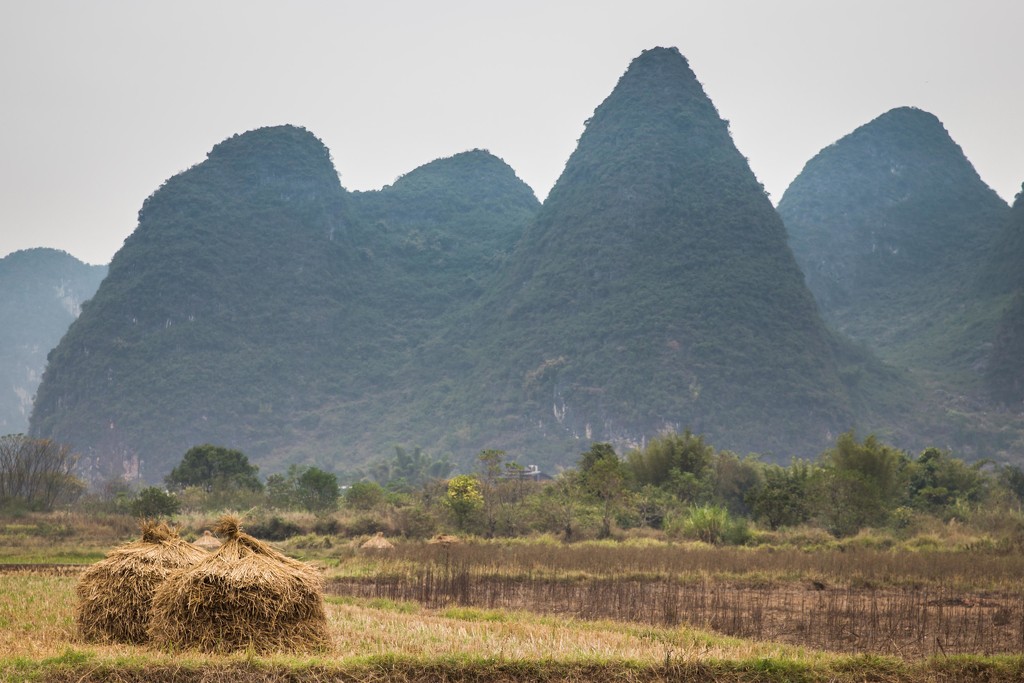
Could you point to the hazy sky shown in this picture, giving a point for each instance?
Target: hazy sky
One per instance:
(104, 100)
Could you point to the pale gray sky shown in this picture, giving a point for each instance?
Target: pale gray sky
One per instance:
(102, 101)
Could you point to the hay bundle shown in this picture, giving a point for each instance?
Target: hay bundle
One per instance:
(377, 542)
(207, 541)
(243, 596)
(114, 595)
(444, 540)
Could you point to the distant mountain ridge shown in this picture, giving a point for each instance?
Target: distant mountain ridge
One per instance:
(905, 249)
(42, 293)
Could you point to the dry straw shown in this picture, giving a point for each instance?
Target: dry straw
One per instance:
(114, 595)
(377, 542)
(207, 541)
(243, 596)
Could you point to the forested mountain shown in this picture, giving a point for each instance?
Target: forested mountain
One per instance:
(438, 234)
(260, 306)
(252, 307)
(1005, 373)
(655, 291)
(892, 227)
(230, 311)
(41, 293)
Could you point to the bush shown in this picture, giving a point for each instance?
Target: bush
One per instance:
(153, 502)
(327, 526)
(415, 522)
(711, 524)
(364, 495)
(274, 529)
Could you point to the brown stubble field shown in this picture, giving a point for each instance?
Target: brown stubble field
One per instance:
(905, 604)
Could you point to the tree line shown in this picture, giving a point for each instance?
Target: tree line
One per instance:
(677, 484)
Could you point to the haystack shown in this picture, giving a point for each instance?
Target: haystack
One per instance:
(445, 540)
(114, 595)
(243, 596)
(377, 542)
(207, 541)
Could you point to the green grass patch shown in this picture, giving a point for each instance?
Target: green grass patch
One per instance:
(465, 669)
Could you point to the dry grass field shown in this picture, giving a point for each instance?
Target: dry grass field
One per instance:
(380, 639)
(540, 610)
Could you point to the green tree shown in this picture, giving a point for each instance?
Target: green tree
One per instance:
(782, 498)
(652, 505)
(1012, 477)
(464, 498)
(732, 480)
(411, 469)
(318, 490)
(860, 484)
(555, 508)
(308, 488)
(939, 481)
(493, 481)
(280, 491)
(365, 495)
(603, 476)
(154, 502)
(680, 463)
(215, 468)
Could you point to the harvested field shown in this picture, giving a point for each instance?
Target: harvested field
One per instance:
(44, 569)
(377, 641)
(906, 619)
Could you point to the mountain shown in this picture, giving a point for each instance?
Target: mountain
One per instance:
(1005, 372)
(655, 290)
(260, 305)
(43, 291)
(218, 315)
(433, 240)
(892, 226)
(438, 233)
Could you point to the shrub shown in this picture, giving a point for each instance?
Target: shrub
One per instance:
(274, 529)
(710, 524)
(154, 502)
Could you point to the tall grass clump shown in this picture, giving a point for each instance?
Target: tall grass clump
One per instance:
(711, 524)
